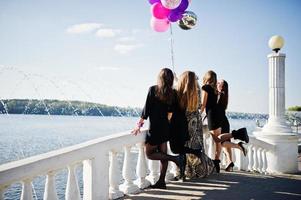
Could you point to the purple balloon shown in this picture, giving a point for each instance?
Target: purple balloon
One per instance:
(175, 16)
(153, 1)
(183, 6)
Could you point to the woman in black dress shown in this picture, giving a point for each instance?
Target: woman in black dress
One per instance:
(223, 92)
(160, 104)
(215, 116)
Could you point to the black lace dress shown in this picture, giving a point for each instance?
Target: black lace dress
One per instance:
(199, 165)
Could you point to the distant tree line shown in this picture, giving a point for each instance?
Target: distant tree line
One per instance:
(81, 108)
(58, 107)
(295, 108)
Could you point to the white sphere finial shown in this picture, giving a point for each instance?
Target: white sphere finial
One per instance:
(276, 42)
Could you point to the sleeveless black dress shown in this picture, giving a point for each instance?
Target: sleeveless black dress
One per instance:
(214, 116)
(225, 121)
(157, 111)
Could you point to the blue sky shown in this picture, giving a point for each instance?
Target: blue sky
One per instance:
(105, 51)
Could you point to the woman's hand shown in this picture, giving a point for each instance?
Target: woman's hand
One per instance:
(136, 130)
(139, 125)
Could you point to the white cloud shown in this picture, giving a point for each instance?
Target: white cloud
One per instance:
(127, 39)
(107, 33)
(126, 48)
(83, 28)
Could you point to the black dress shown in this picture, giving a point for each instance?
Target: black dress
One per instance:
(214, 117)
(157, 112)
(225, 121)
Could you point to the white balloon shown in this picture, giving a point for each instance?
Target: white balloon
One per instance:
(171, 4)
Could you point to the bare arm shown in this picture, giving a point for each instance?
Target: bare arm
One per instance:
(204, 100)
(136, 130)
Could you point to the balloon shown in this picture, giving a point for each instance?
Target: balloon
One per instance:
(153, 1)
(158, 11)
(159, 25)
(175, 16)
(183, 6)
(171, 4)
(188, 20)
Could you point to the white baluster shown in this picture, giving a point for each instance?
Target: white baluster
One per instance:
(26, 190)
(96, 176)
(259, 160)
(50, 191)
(141, 168)
(264, 161)
(206, 143)
(234, 155)
(127, 173)
(223, 159)
(72, 189)
(211, 148)
(250, 156)
(255, 165)
(238, 159)
(114, 177)
(170, 171)
(154, 166)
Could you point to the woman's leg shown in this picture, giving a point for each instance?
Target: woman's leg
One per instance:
(240, 134)
(229, 145)
(164, 163)
(215, 134)
(152, 153)
(239, 146)
(228, 152)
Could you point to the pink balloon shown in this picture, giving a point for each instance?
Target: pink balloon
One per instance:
(159, 25)
(159, 11)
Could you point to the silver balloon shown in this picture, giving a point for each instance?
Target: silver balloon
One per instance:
(188, 20)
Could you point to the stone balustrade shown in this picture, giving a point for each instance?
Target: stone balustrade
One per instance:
(101, 163)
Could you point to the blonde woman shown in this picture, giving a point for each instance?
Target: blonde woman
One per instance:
(215, 117)
(198, 163)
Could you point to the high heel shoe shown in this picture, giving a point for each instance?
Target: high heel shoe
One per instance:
(244, 150)
(216, 165)
(159, 185)
(229, 168)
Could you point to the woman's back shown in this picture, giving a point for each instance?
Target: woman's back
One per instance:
(212, 97)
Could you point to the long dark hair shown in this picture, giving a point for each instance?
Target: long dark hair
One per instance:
(164, 85)
(224, 98)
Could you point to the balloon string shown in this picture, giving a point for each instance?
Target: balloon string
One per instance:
(171, 49)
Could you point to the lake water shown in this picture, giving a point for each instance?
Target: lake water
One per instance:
(22, 136)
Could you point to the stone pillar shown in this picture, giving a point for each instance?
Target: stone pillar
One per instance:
(276, 122)
(283, 159)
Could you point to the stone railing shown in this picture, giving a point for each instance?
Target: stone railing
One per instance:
(101, 163)
(102, 178)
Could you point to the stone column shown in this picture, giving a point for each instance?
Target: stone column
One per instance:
(283, 159)
(276, 122)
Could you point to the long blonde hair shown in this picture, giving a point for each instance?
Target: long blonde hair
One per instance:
(187, 90)
(210, 79)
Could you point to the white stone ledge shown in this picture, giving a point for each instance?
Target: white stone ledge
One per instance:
(61, 158)
(262, 144)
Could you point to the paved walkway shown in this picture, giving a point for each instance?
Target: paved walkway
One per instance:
(224, 186)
